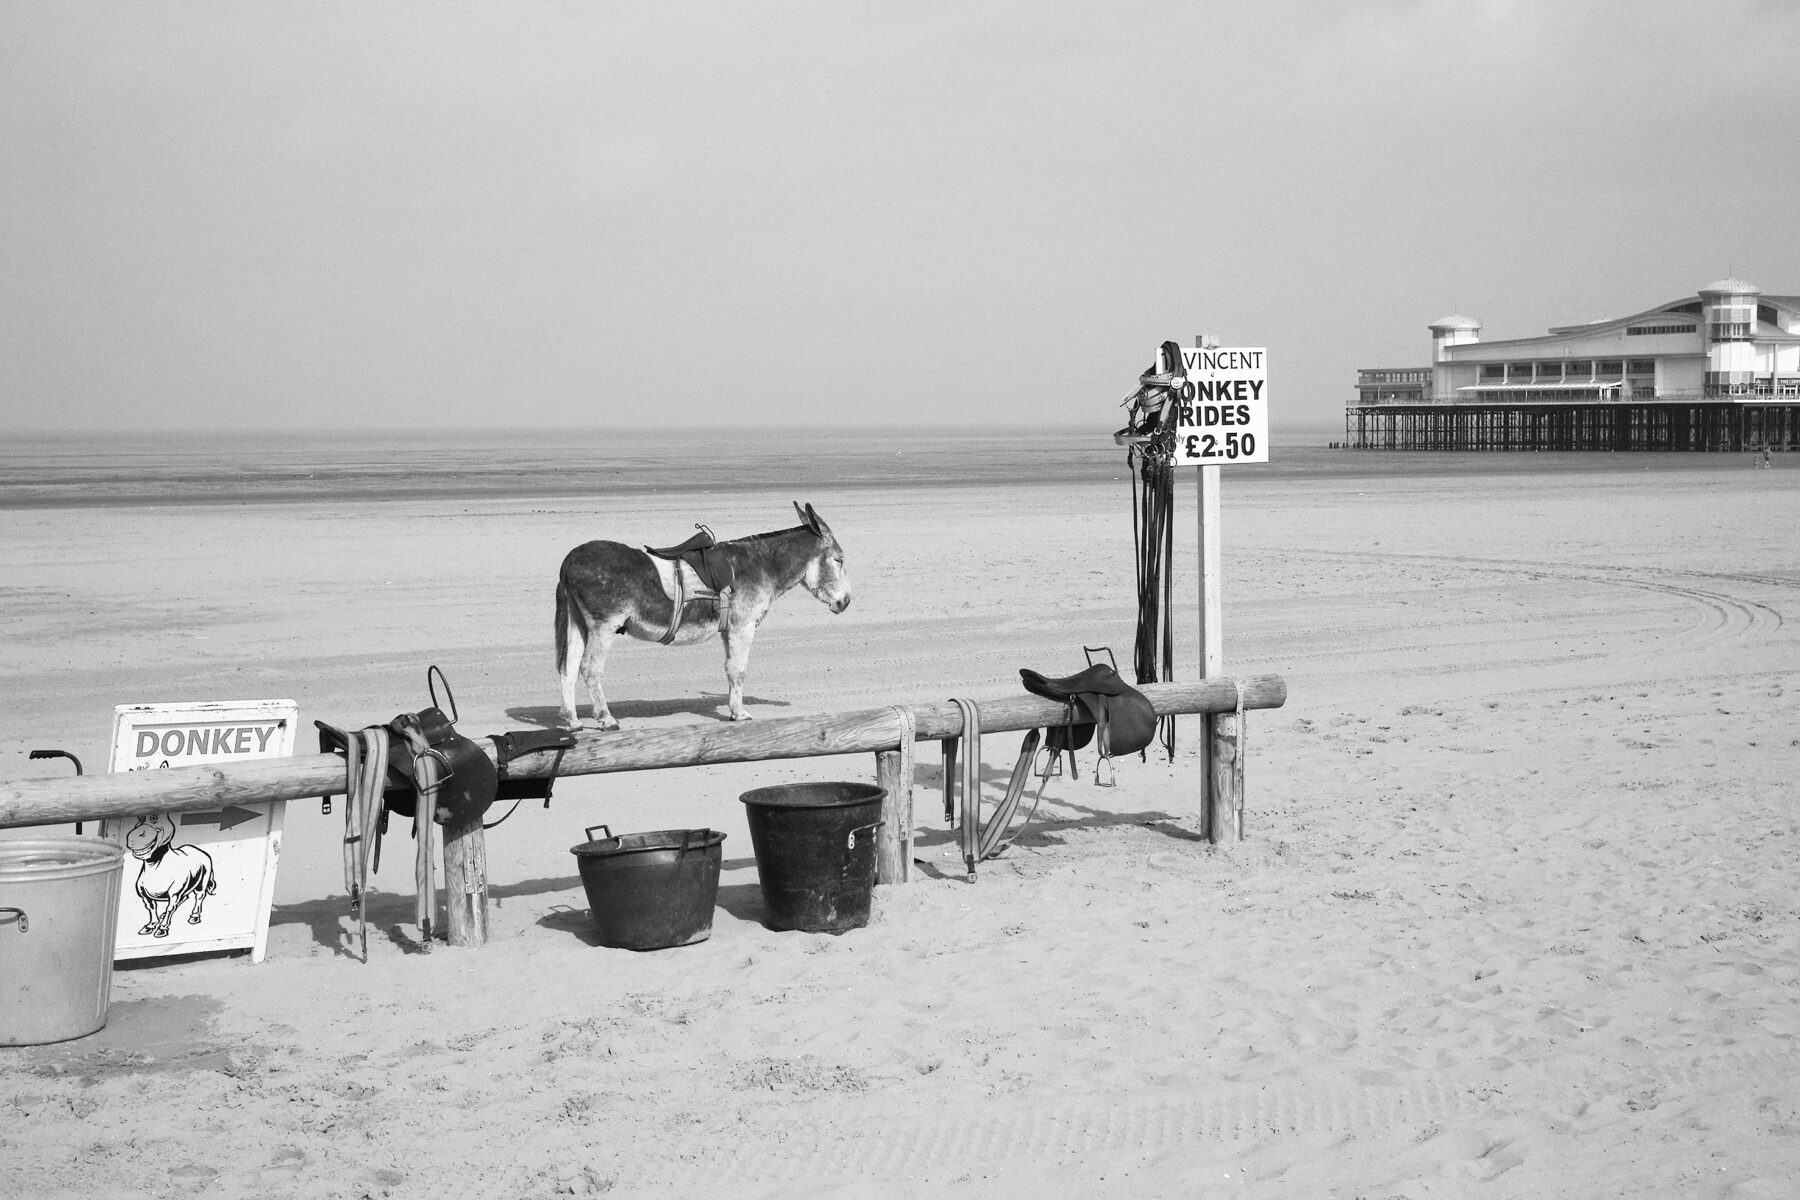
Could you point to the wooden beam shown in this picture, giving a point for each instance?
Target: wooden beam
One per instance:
(64, 799)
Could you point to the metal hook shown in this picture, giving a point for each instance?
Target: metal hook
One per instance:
(59, 754)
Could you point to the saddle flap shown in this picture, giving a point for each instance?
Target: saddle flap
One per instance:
(520, 742)
(1130, 722)
(1073, 736)
(467, 780)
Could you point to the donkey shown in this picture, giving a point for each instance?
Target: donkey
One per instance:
(606, 588)
(170, 874)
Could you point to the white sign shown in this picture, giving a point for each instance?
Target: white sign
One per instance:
(1222, 411)
(203, 880)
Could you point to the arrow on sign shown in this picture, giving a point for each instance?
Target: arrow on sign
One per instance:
(224, 819)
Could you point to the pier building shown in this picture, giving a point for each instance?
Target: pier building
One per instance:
(1719, 370)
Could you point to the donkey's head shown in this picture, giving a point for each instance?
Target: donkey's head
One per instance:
(151, 833)
(826, 578)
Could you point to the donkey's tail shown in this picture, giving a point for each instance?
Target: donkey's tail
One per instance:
(567, 610)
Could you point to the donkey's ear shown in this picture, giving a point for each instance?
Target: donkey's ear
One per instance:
(808, 518)
(815, 522)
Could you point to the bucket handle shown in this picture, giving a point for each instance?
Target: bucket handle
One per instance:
(609, 833)
(850, 842)
(24, 922)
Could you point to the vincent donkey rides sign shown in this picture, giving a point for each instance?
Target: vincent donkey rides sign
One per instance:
(198, 880)
(1222, 416)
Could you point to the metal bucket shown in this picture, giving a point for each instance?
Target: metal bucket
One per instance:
(815, 853)
(59, 916)
(650, 891)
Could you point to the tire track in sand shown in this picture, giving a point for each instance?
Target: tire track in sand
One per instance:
(1144, 1126)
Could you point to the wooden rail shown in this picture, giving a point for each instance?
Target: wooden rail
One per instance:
(62, 799)
(53, 801)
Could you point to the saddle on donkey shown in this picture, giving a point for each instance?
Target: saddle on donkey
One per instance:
(708, 574)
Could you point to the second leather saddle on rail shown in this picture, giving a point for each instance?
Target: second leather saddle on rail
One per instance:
(1102, 708)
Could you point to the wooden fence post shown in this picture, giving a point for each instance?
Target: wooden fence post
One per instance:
(1225, 820)
(465, 883)
(894, 846)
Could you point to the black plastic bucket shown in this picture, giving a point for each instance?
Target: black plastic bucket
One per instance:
(815, 853)
(650, 891)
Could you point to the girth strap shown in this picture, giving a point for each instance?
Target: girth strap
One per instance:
(428, 773)
(969, 817)
(681, 598)
(981, 841)
(680, 605)
(365, 777)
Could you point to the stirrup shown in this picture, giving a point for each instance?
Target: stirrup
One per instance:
(1104, 766)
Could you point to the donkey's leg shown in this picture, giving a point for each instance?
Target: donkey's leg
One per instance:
(593, 665)
(570, 669)
(203, 887)
(737, 665)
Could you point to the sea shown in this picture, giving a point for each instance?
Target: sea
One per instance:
(50, 470)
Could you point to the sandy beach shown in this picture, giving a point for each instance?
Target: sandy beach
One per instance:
(1515, 914)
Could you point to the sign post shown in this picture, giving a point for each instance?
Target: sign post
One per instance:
(198, 881)
(1221, 419)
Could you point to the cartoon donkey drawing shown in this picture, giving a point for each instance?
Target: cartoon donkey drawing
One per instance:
(170, 874)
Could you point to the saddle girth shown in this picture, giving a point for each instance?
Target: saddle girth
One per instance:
(981, 840)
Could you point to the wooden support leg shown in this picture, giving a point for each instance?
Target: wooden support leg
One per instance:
(894, 846)
(465, 883)
(1225, 821)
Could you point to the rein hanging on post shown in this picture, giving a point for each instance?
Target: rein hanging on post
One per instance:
(1150, 435)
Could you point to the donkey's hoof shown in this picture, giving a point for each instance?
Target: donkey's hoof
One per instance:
(607, 724)
(742, 717)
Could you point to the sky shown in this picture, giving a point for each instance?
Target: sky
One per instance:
(255, 216)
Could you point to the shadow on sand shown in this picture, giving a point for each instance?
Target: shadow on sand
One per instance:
(707, 704)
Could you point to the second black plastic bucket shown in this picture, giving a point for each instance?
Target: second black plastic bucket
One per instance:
(815, 853)
(650, 891)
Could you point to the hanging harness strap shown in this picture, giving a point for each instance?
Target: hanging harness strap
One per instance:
(994, 837)
(1237, 766)
(429, 772)
(982, 840)
(968, 815)
(365, 777)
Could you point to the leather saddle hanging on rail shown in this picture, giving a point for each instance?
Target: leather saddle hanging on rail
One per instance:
(432, 758)
(1099, 702)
